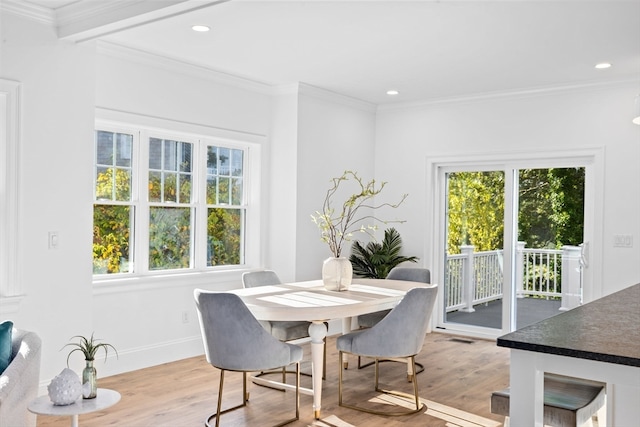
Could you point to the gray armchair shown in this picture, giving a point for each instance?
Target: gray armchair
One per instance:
(412, 274)
(399, 335)
(19, 382)
(235, 341)
(283, 330)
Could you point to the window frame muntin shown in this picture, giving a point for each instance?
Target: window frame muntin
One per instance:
(250, 144)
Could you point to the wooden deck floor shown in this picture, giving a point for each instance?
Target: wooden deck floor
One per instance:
(457, 383)
(528, 311)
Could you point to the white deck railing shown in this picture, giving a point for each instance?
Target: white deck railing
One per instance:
(473, 278)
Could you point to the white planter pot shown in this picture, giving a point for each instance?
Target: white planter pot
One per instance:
(337, 274)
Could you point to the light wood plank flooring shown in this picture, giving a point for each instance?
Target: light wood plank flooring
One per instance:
(457, 383)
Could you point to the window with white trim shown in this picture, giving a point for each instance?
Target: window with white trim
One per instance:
(167, 202)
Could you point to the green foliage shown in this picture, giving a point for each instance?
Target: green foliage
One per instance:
(550, 212)
(551, 207)
(170, 225)
(169, 238)
(338, 227)
(224, 228)
(375, 260)
(110, 186)
(111, 223)
(110, 237)
(476, 210)
(567, 186)
(89, 347)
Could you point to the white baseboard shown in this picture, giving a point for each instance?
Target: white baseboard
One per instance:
(142, 357)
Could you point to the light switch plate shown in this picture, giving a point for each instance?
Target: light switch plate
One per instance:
(623, 241)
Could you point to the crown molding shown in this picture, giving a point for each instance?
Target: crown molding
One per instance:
(198, 71)
(29, 11)
(286, 89)
(512, 94)
(181, 67)
(85, 20)
(327, 95)
(82, 10)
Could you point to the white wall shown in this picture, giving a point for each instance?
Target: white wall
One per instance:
(334, 135)
(55, 190)
(149, 324)
(280, 198)
(65, 86)
(315, 136)
(591, 117)
(62, 84)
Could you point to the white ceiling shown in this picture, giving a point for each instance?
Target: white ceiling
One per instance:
(426, 50)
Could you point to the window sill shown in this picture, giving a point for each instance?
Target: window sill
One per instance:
(215, 280)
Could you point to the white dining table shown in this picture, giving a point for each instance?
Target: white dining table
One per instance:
(310, 301)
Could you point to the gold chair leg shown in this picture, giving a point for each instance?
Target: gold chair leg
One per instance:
(297, 417)
(415, 382)
(245, 393)
(415, 397)
(245, 399)
(410, 376)
(340, 378)
(297, 390)
(219, 399)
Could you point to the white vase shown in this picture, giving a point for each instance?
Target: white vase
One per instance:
(337, 274)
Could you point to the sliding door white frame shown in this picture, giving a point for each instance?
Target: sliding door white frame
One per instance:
(437, 168)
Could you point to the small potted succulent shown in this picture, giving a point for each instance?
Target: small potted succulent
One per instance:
(89, 348)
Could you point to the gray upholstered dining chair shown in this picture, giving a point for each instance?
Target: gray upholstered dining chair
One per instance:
(412, 274)
(283, 330)
(399, 335)
(235, 341)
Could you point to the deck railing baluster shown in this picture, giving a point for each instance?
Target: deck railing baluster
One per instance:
(541, 276)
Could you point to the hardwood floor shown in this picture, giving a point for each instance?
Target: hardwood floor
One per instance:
(457, 383)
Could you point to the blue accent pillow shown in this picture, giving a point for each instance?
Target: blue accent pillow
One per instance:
(5, 344)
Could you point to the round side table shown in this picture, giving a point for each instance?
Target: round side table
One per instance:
(104, 399)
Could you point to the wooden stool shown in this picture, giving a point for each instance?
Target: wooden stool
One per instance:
(568, 402)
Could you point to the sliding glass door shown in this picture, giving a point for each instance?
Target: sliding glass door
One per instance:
(474, 247)
(512, 251)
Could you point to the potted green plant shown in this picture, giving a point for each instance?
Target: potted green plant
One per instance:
(375, 259)
(338, 226)
(89, 348)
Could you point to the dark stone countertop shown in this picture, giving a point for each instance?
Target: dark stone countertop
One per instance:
(605, 330)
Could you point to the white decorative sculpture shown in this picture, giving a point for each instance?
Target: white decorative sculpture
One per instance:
(65, 388)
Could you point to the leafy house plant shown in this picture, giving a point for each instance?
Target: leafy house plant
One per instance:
(375, 260)
(338, 221)
(89, 348)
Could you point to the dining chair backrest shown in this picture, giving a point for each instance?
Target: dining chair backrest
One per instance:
(402, 332)
(252, 279)
(233, 338)
(412, 274)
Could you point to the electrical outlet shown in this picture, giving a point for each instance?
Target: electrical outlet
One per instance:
(185, 317)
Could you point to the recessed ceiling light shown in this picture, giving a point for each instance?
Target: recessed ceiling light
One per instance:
(392, 92)
(603, 65)
(200, 28)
